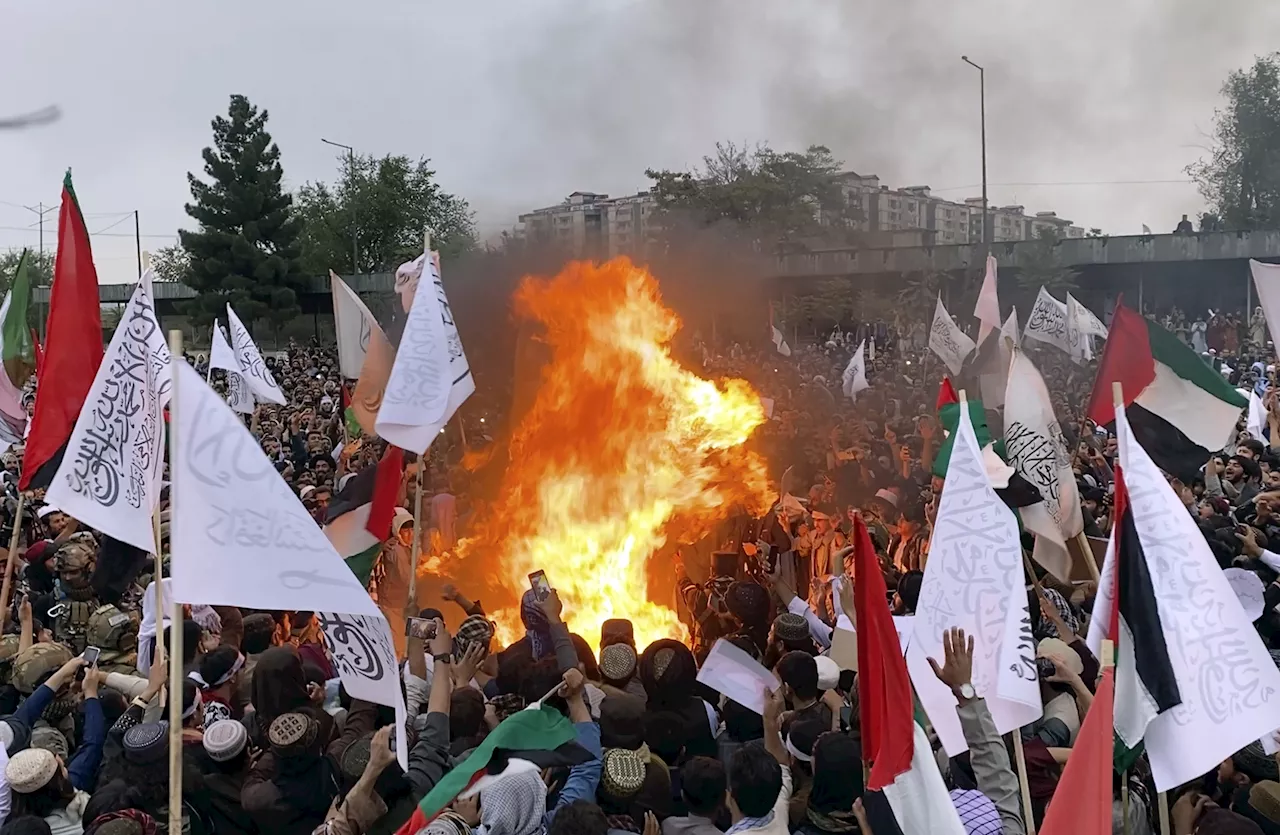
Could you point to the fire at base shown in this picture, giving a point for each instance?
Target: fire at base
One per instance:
(622, 451)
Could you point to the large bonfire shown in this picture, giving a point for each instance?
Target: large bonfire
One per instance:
(622, 452)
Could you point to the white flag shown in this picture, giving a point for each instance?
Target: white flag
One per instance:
(430, 378)
(1266, 280)
(221, 356)
(987, 310)
(947, 340)
(871, 350)
(1089, 323)
(974, 580)
(1228, 686)
(408, 275)
(354, 325)
(255, 372)
(110, 475)
(1256, 422)
(242, 538)
(780, 343)
(1009, 330)
(855, 373)
(1035, 446)
(1048, 322)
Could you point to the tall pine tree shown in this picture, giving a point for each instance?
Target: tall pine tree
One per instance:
(246, 250)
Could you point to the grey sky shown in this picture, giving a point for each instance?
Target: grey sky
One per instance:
(519, 102)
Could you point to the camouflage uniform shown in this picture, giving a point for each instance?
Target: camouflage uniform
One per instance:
(8, 649)
(32, 664)
(115, 633)
(76, 560)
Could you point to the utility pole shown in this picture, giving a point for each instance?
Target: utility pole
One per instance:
(137, 240)
(355, 251)
(982, 104)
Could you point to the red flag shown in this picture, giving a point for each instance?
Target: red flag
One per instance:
(884, 690)
(1081, 803)
(382, 507)
(73, 346)
(946, 394)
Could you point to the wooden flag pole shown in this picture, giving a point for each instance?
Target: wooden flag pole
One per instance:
(412, 602)
(13, 553)
(175, 627)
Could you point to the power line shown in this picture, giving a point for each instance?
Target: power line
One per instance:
(103, 234)
(1070, 183)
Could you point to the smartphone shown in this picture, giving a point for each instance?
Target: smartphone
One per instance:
(422, 628)
(91, 655)
(538, 582)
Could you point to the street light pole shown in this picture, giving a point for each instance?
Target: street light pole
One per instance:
(982, 99)
(355, 253)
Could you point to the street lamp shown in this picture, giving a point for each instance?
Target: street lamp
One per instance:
(351, 154)
(982, 98)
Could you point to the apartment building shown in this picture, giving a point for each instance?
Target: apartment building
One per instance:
(592, 224)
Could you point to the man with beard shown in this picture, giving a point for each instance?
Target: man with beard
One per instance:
(76, 560)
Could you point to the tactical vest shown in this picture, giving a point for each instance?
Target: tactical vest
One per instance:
(74, 624)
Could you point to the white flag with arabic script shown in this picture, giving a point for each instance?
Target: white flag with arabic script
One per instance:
(239, 397)
(974, 580)
(252, 368)
(946, 339)
(110, 474)
(430, 377)
(855, 373)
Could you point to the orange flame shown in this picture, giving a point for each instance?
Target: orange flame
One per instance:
(622, 450)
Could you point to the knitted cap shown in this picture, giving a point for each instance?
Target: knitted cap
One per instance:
(1253, 761)
(146, 743)
(622, 774)
(356, 757)
(50, 739)
(291, 734)
(789, 626)
(224, 740)
(828, 673)
(30, 770)
(617, 662)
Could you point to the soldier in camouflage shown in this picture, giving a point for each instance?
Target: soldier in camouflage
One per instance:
(76, 560)
(115, 633)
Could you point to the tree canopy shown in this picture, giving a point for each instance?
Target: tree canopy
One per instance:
(387, 202)
(171, 263)
(246, 249)
(776, 200)
(39, 266)
(1240, 179)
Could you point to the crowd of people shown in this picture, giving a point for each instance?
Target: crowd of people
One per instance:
(272, 743)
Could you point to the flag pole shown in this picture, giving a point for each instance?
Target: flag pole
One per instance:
(412, 602)
(175, 623)
(13, 553)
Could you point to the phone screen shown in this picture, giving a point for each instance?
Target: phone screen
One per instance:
(91, 655)
(421, 628)
(538, 582)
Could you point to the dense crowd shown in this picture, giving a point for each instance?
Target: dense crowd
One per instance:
(272, 743)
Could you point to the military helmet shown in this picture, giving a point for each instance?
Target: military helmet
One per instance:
(78, 554)
(8, 649)
(31, 665)
(110, 629)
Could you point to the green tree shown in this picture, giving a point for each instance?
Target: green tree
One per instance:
(776, 201)
(39, 265)
(1240, 179)
(171, 263)
(1042, 266)
(246, 250)
(919, 294)
(387, 203)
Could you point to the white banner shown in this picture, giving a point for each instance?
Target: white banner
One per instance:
(1009, 330)
(354, 325)
(365, 657)
(240, 536)
(987, 310)
(1089, 324)
(779, 342)
(855, 373)
(255, 372)
(974, 580)
(1048, 322)
(1037, 449)
(1230, 687)
(221, 356)
(946, 339)
(1256, 416)
(430, 377)
(110, 474)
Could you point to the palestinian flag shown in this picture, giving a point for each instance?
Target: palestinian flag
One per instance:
(349, 414)
(1181, 410)
(359, 518)
(1016, 491)
(540, 737)
(18, 351)
(73, 347)
(1146, 684)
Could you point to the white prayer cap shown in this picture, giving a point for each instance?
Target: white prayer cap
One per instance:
(46, 510)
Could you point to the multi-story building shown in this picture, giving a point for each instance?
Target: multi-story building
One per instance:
(591, 224)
